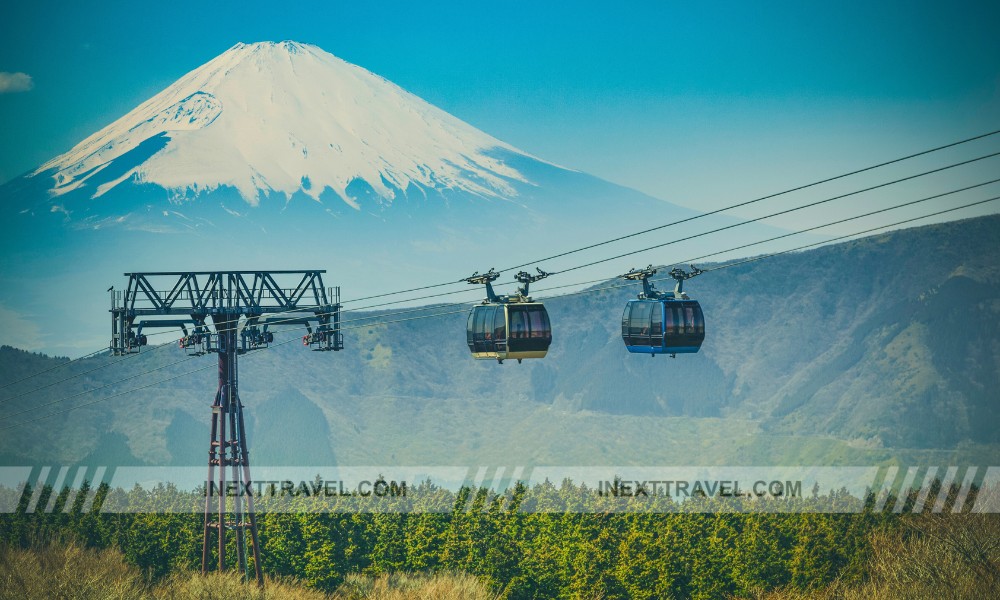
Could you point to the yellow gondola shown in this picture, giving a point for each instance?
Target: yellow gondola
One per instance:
(504, 327)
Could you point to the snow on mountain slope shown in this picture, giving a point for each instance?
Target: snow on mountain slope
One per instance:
(282, 118)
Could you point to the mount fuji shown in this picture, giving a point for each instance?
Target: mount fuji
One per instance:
(283, 156)
(283, 119)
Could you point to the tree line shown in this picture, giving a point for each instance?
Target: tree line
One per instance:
(540, 542)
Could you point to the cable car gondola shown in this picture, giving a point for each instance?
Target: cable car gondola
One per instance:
(505, 327)
(663, 322)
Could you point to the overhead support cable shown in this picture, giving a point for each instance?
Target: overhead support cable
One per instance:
(610, 241)
(464, 308)
(762, 198)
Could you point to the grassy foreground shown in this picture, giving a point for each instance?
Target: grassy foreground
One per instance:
(71, 572)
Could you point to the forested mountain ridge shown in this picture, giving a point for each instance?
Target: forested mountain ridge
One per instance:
(891, 341)
(893, 338)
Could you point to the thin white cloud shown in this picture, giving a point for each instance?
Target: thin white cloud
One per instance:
(19, 331)
(15, 82)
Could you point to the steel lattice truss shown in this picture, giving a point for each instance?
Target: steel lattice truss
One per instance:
(288, 297)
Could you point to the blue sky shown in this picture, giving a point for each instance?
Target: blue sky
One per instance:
(697, 103)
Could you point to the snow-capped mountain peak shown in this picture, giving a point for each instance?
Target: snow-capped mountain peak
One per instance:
(285, 117)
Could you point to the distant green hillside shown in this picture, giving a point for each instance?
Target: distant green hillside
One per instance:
(882, 349)
(892, 340)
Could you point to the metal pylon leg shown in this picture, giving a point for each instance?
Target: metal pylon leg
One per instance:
(228, 448)
(213, 460)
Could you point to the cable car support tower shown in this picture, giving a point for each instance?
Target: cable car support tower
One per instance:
(227, 314)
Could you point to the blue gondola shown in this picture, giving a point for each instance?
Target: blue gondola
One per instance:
(505, 327)
(663, 322)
